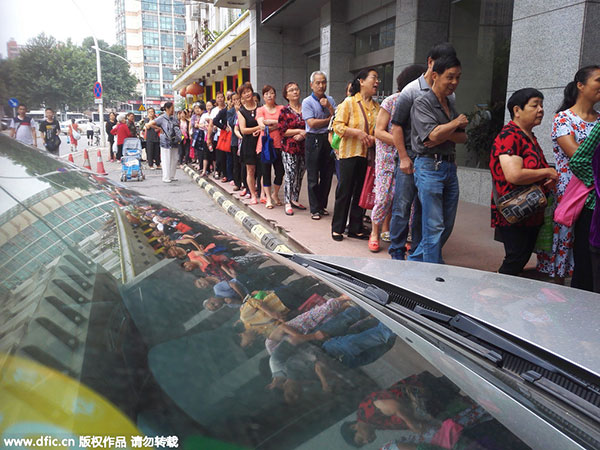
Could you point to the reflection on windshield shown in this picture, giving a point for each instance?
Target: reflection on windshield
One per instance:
(192, 333)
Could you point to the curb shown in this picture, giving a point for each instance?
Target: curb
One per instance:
(252, 222)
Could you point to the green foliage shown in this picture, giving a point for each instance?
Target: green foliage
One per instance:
(52, 73)
(484, 126)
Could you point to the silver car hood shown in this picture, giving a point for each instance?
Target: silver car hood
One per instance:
(560, 320)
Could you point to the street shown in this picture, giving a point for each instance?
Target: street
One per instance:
(183, 194)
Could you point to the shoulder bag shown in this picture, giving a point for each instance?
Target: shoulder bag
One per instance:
(520, 203)
(571, 204)
(367, 195)
(267, 154)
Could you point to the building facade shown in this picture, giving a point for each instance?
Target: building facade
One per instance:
(504, 45)
(12, 49)
(153, 33)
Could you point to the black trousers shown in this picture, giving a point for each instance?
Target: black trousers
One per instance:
(279, 171)
(583, 277)
(319, 170)
(119, 151)
(347, 195)
(237, 167)
(221, 161)
(519, 243)
(153, 153)
(111, 143)
(595, 257)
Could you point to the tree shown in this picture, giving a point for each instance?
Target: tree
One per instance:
(52, 73)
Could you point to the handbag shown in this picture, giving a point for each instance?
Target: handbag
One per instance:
(224, 142)
(76, 135)
(267, 153)
(571, 204)
(520, 203)
(370, 150)
(546, 234)
(367, 195)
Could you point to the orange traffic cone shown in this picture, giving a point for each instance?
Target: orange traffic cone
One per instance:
(86, 160)
(71, 158)
(100, 166)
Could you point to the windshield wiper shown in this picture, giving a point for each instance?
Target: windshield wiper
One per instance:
(370, 291)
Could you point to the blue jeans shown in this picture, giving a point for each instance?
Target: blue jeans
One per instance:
(353, 349)
(405, 192)
(438, 193)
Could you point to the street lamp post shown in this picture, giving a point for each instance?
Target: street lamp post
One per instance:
(95, 47)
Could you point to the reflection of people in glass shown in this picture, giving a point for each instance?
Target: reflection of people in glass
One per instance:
(392, 409)
(261, 313)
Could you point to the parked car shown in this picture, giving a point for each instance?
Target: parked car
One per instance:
(127, 321)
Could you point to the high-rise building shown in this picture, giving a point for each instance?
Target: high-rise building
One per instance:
(153, 34)
(12, 49)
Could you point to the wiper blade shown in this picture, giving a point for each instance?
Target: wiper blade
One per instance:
(370, 291)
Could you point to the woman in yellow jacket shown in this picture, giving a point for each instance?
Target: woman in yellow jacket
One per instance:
(355, 124)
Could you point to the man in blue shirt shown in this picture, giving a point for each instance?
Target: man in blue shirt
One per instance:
(317, 110)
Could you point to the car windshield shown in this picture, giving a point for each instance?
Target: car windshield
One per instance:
(124, 319)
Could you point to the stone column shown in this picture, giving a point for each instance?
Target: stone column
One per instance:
(550, 42)
(336, 48)
(419, 25)
(266, 53)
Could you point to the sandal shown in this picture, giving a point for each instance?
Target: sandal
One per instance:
(288, 210)
(315, 216)
(374, 244)
(276, 201)
(299, 206)
(362, 235)
(337, 237)
(385, 236)
(253, 202)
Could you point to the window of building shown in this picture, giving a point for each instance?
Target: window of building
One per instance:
(179, 8)
(151, 55)
(167, 74)
(376, 37)
(179, 24)
(150, 38)
(481, 33)
(166, 23)
(167, 88)
(149, 21)
(179, 41)
(149, 5)
(166, 40)
(165, 6)
(167, 56)
(152, 89)
(151, 73)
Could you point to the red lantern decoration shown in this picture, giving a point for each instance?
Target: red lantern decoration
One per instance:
(194, 89)
(183, 92)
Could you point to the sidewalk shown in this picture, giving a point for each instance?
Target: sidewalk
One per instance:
(470, 245)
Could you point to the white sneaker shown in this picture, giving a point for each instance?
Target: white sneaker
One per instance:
(166, 181)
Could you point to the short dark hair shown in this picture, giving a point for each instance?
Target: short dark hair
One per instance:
(348, 434)
(520, 98)
(444, 63)
(245, 86)
(219, 93)
(441, 49)
(362, 75)
(287, 86)
(266, 88)
(167, 105)
(49, 109)
(409, 74)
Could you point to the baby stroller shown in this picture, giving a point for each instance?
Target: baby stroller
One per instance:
(131, 166)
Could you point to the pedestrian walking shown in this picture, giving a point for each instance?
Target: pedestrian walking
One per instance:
(406, 207)
(74, 135)
(50, 131)
(317, 110)
(23, 128)
(110, 124)
(170, 136)
(516, 160)
(574, 120)
(355, 124)
(436, 128)
(293, 131)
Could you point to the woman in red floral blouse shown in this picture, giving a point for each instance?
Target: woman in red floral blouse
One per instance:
(291, 125)
(517, 160)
